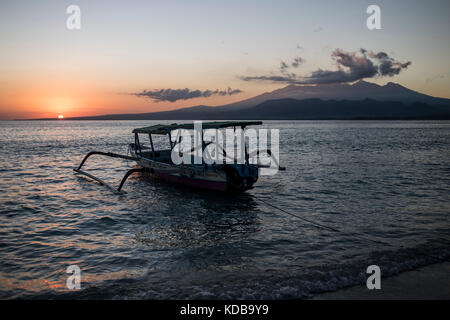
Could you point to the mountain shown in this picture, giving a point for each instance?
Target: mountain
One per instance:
(317, 109)
(360, 100)
(342, 91)
(293, 109)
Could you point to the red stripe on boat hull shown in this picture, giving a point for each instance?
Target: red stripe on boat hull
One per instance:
(198, 183)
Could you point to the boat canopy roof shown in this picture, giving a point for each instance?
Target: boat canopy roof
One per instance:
(166, 128)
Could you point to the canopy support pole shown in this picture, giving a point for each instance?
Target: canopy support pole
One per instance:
(151, 144)
(170, 141)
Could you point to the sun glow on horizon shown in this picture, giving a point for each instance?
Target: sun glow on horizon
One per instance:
(60, 117)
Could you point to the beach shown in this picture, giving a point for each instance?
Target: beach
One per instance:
(431, 282)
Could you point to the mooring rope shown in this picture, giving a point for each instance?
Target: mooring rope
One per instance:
(294, 215)
(337, 230)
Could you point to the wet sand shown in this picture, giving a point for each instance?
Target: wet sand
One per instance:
(429, 282)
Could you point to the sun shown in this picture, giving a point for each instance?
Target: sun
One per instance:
(60, 117)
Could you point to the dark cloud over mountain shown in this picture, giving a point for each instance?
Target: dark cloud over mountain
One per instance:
(297, 62)
(284, 67)
(351, 66)
(173, 95)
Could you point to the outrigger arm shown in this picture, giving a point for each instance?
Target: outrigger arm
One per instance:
(129, 172)
(108, 154)
(112, 155)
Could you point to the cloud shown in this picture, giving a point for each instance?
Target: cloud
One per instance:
(436, 77)
(351, 66)
(388, 66)
(173, 95)
(318, 29)
(297, 62)
(285, 66)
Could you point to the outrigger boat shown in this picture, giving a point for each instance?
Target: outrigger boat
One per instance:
(159, 163)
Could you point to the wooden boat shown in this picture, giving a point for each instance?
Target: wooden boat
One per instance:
(215, 176)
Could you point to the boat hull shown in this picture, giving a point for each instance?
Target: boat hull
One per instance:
(196, 183)
(215, 178)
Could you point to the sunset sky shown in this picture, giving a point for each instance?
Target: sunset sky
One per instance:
(126, 47)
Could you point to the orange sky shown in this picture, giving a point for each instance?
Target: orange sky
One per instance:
(51, 100)
(127, 47)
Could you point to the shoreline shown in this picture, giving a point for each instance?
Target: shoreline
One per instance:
(431, 282)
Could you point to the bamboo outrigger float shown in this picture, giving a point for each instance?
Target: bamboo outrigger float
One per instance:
(215, 176)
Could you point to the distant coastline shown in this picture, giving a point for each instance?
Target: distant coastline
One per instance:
(292, 109)
(358, 101)
(447, 118)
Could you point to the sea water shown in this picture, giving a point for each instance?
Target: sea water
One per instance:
(384, 185)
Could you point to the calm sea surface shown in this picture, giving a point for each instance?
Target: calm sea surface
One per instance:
(383, 181)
